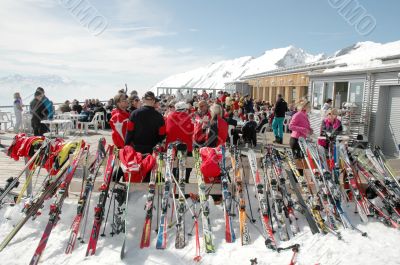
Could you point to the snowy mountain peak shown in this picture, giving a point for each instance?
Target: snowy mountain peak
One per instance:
(215, 75)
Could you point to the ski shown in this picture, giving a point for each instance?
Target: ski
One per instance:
(262, 201)
(84, 199)
(130, 168)
(227, 201)
(180, 208)
(100, 207)
(31, 208)
(243, 228)
(358, 197)
(276, 198)
(304, 199)
(204, 206)
(55, 208)
(149, 206)
(162, 230)
(13, 183)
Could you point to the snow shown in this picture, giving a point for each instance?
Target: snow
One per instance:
(361, 55)
(217, 74)
(381, 246)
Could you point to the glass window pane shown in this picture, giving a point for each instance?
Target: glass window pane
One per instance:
(328, 90)
(356, 92)
(317, 95)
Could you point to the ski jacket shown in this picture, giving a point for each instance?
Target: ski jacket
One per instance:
(147, 128)
(134, 164)
(119, 124)
(281, 108)
(210, 169)
(179, 126)
(333, 127)
(300, 125)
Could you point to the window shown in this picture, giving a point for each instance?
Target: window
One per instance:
(356, 93)
(293, 96)
(317, 99)
(328, 91)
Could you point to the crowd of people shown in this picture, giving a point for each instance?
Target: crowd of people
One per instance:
(201, 120)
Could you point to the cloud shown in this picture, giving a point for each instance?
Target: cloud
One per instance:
(193, 30)
(40, 37)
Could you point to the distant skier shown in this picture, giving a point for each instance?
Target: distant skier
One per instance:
(281, 108)
(17, 112)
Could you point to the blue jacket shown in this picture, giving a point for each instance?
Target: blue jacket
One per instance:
(49, 107)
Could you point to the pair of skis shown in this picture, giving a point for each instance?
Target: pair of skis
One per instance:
(238, 180)
(85, 196)
(55, 208)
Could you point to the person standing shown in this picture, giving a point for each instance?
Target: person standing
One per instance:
(179, 127)
(119, 121)
(47, 104)
(147, 127)
(217, 132)
(300, 127)
(17, 112)
(39, 113)
(279, 117)
(201, 123)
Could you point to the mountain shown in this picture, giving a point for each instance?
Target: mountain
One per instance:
(57, 88)
(215, 75)
(357, 56)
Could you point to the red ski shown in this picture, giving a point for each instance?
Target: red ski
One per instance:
(84, 200)
(55, 208)
(100, 207)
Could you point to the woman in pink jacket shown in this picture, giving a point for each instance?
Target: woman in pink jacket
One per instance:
(300, 127)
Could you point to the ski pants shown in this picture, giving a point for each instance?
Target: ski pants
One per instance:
(277, 126)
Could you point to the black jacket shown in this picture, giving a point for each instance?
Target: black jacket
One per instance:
(281, 108)
(147, 129)
(38, 111)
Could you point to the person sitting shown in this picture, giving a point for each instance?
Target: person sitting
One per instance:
(235, 132)
(249, 130)
(331, 127)
(65, 107)
(76, 106)
(263, 121)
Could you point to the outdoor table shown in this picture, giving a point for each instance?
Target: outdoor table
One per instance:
(56, 123)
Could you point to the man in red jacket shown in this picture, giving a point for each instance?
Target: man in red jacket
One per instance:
(179, 127)
(119, 121)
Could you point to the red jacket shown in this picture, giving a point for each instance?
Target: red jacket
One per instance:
(200, 135)
(179, 126)
(120, 124)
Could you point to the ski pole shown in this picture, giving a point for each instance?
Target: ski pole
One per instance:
(108, 212)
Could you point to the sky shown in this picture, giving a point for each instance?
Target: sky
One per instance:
(142, 42)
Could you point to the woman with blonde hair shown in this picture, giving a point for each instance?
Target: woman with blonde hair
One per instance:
(218, 130)
(331, 126)
(300, 127)
(18, 111)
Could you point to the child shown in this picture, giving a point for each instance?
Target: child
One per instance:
(119, 121)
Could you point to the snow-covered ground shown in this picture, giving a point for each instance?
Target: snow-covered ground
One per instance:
(381, 247)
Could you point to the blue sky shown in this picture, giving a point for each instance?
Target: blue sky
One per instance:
(146, 41)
